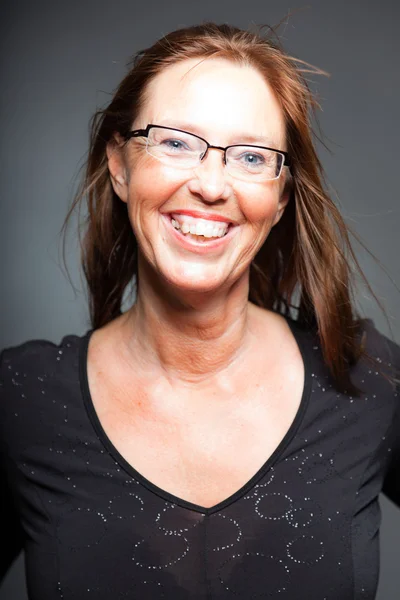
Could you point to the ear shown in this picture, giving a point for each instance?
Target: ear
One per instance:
(285, 197)
(117, 167)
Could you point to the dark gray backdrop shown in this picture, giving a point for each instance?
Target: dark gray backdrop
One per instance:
(60, 60)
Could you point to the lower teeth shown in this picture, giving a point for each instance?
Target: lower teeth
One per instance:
(199, 238)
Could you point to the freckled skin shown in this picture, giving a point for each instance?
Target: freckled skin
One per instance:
(192, 317)
(220, 99)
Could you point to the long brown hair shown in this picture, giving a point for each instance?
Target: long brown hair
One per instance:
(306, 255)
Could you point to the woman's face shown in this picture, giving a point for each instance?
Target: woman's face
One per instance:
(223, 103)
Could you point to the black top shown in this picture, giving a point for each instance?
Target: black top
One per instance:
(305, 527)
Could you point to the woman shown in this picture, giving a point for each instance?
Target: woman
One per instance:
(203, 443)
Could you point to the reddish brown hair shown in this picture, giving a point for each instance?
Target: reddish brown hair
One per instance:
(306, 255)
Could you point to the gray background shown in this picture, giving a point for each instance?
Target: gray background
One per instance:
(61, 60)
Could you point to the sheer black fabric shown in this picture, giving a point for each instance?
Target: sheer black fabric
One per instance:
(305, 527)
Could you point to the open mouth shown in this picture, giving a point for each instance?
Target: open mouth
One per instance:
(199, 230)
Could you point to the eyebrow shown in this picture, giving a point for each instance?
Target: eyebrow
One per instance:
(238, 138)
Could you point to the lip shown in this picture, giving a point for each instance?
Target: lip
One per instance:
(192, 245)
(198, 214)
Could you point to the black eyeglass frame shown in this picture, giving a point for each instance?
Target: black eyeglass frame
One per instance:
(145, 132)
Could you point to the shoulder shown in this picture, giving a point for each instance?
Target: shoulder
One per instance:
(40, 385)
(382, 348)
(378, 362)
(29, 369)
(34, 355)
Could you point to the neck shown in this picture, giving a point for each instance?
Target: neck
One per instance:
(188, 337)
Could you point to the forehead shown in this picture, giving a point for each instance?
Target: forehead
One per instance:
(219, 98)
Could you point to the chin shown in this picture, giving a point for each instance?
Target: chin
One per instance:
(193, 279)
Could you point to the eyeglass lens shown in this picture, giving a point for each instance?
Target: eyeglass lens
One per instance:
(186, 150)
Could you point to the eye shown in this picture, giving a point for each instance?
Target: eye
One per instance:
(248, 159)
(251, 158)
(174, 144)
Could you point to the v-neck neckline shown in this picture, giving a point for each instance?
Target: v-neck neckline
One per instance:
(298, 334)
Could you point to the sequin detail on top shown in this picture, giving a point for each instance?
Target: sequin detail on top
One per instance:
(95, 528)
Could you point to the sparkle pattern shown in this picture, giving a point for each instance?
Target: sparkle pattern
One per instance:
(93, 527)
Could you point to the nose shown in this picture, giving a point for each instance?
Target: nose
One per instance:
(210, 179)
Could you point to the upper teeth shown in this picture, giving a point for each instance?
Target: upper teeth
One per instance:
(199, 226)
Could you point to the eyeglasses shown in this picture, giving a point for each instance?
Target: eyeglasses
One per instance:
(184, 150)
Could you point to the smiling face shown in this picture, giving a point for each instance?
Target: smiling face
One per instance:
(224, 103)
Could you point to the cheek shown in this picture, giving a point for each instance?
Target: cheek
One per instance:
(260, 205)
(151, 186)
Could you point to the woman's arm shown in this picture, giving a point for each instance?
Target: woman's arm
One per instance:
(12, 535)
(391, 486)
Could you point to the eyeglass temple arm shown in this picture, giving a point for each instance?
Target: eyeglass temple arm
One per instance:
(137, 133)
(287, 160)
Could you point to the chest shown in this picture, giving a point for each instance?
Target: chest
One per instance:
(200, 447)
